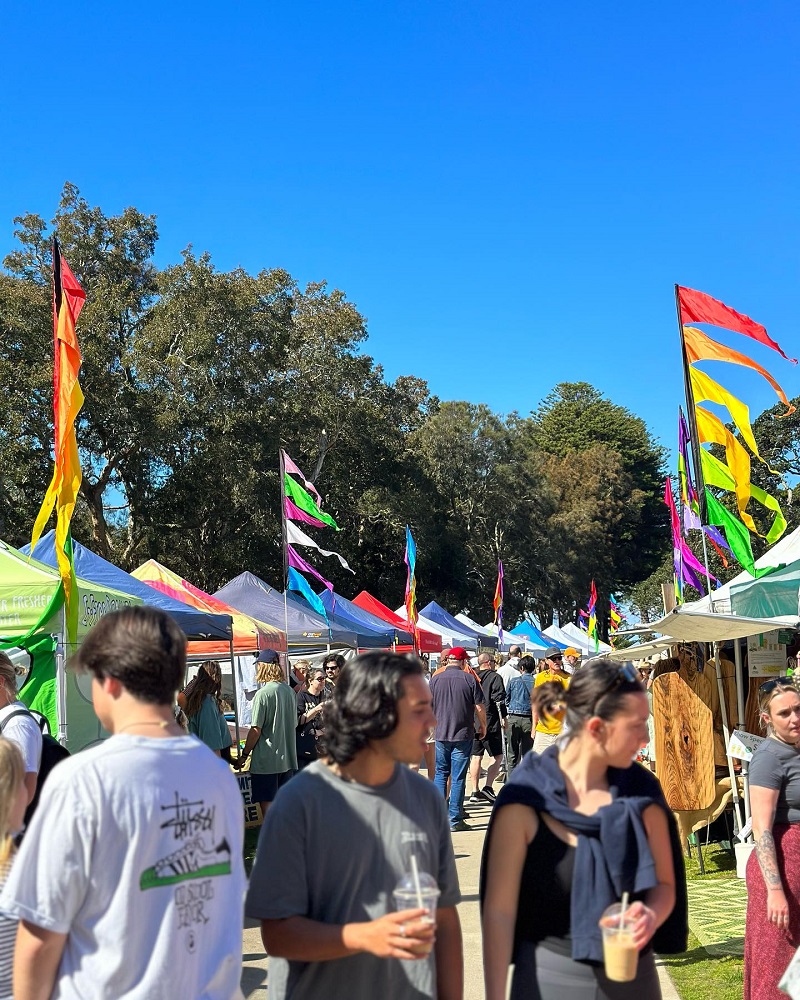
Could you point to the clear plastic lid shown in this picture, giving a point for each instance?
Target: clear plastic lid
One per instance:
(427, 884)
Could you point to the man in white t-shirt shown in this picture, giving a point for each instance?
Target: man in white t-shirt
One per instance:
(130, 881)
(510, 668)
(23, 729)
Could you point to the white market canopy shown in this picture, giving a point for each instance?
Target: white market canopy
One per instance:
(689, 625)
(577, 638)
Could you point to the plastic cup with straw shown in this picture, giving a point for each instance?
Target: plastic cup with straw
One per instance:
(418, 890)
(620, 954)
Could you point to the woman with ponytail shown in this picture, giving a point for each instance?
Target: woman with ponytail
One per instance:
(576, 827)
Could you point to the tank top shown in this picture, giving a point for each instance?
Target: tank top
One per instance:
(543, 912)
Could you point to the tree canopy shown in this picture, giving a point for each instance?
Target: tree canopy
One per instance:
(194, 378)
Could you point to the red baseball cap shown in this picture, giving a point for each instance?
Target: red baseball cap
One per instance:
(457, 653)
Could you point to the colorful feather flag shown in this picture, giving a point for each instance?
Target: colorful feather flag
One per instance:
(62, 493)
(592, 630)
(294, 536)
(299, 584)
(295, 492)
(411, 579)
(293, 513)
(697, 307)
(497, 603)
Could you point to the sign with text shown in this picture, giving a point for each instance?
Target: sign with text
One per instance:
(766, 654)
(252, 810)
(743, 745)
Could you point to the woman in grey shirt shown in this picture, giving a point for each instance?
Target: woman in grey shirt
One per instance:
(773, 871)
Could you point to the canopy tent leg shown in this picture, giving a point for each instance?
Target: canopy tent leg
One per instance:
(737, 656)
(235, 697)
(61, 679)
(737, 819)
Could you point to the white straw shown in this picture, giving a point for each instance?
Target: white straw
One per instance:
(624, 908)
(417, 886)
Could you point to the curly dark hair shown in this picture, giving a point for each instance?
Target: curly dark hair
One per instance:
(363, 706)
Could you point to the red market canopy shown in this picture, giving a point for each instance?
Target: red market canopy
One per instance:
(428, 641)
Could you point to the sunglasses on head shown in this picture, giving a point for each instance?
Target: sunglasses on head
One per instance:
(774, 682)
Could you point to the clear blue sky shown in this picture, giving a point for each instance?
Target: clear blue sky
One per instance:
(507, 190)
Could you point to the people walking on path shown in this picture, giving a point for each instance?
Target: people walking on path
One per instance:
(518, 701)
(457, 700)
(576, 827)
(340, 837)
(494, 695)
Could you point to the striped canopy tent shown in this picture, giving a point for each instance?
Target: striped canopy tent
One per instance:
(249, 634)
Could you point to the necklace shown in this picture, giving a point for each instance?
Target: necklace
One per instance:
(162, 723)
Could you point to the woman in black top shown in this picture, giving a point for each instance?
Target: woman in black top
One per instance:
(574, 828)
(309, 722)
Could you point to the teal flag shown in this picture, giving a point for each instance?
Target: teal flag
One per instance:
(300, 584)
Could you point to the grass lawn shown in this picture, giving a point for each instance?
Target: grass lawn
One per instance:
(250, 844)
(696, 974)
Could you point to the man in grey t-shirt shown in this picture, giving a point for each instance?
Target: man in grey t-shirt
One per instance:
(341, 835)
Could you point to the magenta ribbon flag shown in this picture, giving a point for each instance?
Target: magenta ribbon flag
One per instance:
(296, 561)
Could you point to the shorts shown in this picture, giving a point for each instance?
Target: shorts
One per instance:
(265, 786)
(492, 743)
(541, 741)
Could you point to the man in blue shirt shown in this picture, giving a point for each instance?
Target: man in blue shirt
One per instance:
(518, 699)
(457, 699)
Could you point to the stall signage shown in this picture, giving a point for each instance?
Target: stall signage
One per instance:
(252, 810)
(743, 745)
(766, 654)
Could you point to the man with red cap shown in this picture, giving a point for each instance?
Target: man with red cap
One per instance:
(457, 699)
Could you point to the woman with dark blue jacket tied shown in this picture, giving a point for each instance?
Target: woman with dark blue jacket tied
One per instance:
(575, 828)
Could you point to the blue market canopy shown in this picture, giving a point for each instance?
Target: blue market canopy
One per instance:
(361, 619)
(365, 638)
(436, 613)
(306, 629)
(527, 630)
(197, 625)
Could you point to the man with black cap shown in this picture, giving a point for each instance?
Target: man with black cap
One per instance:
(271, 738)
(546, 729)
(457, 699)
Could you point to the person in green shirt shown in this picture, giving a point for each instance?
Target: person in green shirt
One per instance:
(271, 738)
(203, 708)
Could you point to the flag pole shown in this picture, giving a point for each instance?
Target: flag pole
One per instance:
(694, 440)
(284, 543)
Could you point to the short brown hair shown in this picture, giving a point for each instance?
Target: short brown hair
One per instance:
(141, 647)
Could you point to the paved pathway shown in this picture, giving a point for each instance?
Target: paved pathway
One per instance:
(468, 848)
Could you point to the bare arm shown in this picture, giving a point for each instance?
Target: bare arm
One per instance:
(481, 712)
(253, 735)
(36, 959)
(31, 777)
(762, 806)
(514, 828)
(449, 955)
(649, 916)
(303, 940)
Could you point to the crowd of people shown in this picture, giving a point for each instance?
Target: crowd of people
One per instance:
(139, 889)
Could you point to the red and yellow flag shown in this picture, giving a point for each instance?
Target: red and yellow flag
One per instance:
(68, 300)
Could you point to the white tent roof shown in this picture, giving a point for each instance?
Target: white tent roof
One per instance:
(584, 643)
(509, 640)
(641, 651)
(689, 625)
(785, 550)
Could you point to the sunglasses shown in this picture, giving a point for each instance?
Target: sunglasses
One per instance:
(331, 670)
(770, 685)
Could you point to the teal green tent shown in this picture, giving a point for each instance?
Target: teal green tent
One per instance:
(770, 596)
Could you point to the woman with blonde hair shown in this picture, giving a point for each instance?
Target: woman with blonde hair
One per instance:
(203, 707)
(13, 799)
(772, 931)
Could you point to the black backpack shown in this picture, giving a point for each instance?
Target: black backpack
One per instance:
(52, 753)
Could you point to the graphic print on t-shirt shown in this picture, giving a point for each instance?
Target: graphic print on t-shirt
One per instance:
(199, 854)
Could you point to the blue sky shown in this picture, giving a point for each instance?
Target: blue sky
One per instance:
(508, 191)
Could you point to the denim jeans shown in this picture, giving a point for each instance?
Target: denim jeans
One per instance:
(452, 761)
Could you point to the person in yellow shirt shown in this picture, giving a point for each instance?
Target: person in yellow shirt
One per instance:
(547, 730)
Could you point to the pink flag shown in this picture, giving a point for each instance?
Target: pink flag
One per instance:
(289, 466)
(294, 513)
(296, 561)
